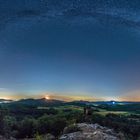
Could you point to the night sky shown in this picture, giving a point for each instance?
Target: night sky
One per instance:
(70, 49)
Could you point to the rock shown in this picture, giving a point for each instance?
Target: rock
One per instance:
(91, 132)
(3, 138)
(48, 137)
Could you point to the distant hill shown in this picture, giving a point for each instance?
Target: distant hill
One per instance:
(5, 101)
(81, 102)
(38, 102)
(52, 102)
(115, 102)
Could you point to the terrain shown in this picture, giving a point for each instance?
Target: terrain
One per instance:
(34, 118)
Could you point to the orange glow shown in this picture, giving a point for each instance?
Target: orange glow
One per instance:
(47, 97)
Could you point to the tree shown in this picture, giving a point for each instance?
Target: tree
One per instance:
(27, 128)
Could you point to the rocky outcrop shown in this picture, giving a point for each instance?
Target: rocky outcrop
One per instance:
(81, 131)
(90, 132)
(3, 138)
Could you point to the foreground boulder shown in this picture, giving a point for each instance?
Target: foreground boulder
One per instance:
(85, 131)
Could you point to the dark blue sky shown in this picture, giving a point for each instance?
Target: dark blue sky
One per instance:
(81, 48)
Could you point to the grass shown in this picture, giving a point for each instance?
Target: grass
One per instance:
(77, 108)
(112, 112)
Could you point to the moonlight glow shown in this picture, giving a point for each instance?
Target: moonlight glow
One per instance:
(47, 97)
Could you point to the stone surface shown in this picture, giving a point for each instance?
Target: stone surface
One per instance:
(91, 132)
(3, 138)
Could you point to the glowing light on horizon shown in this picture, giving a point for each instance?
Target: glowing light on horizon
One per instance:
(47, 97)
(6, 98)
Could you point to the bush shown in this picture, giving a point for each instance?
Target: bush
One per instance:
(51, 124)
(27, 128)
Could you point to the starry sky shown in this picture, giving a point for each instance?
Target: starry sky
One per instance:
(70, 49)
